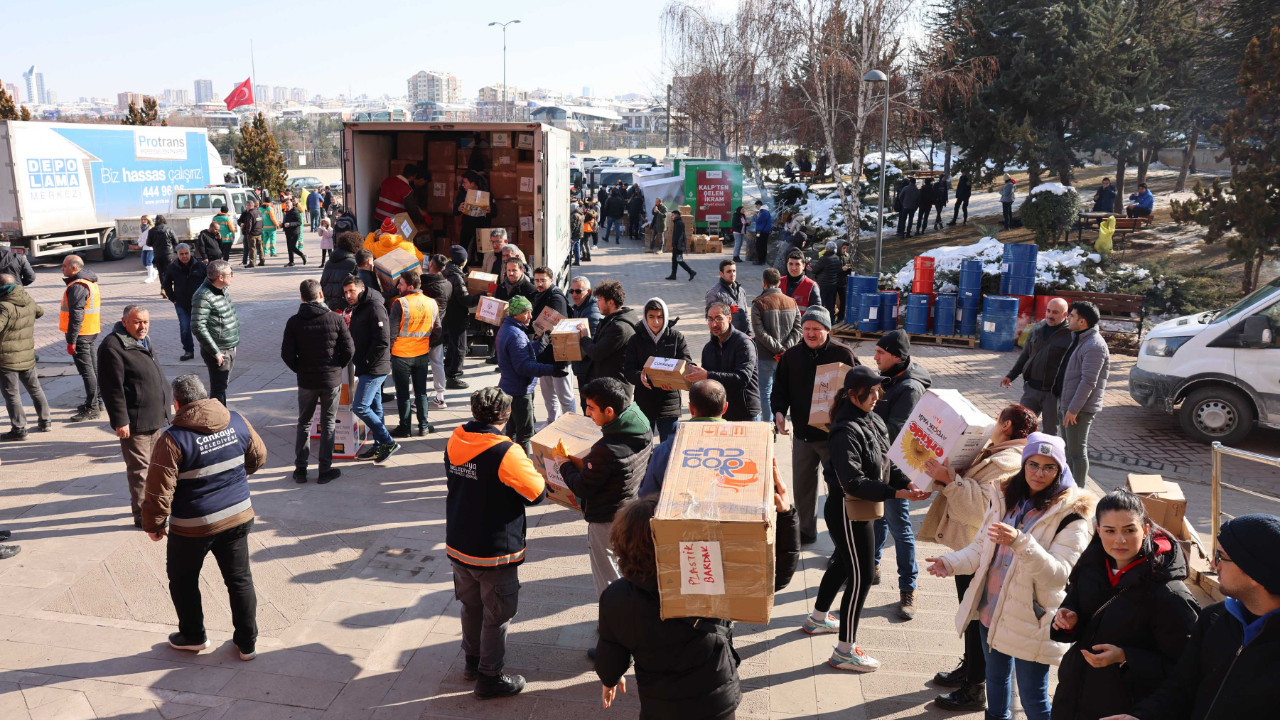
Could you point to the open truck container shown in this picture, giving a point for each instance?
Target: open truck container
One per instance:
(533, 207)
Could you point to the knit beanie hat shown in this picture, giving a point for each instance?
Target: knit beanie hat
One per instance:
(861, 376)
(1251, 540)
(388, 227)
(818, 314)
(518, 305)
(458, 255)
(1039, 443)
(897, 343)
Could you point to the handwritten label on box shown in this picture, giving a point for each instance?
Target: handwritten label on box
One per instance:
(701, 567)
(665, 363)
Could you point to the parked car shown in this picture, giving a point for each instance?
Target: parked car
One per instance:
(1217, 370)
(310, 183)
(589, 163)
(642, 159)
(607, 161)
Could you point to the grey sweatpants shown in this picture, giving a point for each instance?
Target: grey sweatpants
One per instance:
(604, 564)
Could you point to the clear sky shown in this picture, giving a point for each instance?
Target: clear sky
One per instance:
(97, 48)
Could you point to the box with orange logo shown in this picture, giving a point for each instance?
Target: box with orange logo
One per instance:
(943, 425)
(714, 526)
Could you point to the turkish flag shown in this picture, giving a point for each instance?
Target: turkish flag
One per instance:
(242, 95)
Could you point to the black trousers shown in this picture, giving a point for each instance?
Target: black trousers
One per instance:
(86, 361)
(520, 425)
(852, 566)
(294, 249)
(975, 661)
(762, 247)
(455, 349)
(904, 221)
(184, 559)
(1008, 214)
(633, 222)
(677, 258)
(956, 213)
(219, 375)
(226, 251)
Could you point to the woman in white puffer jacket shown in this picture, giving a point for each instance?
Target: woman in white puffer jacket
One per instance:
(1038, 525)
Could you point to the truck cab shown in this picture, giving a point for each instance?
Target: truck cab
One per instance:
(1219, 371)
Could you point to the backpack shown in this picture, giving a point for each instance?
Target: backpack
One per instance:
(343, 222)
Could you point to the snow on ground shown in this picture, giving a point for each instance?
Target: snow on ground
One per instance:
(1053, 187)
(1074, 267)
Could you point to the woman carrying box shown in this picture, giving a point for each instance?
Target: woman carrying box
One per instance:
(657, 337)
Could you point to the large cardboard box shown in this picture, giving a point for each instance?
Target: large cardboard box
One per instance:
(578, 433)
(410, 146)
(565, 339)
(715, 245)
(478, 283)
(667, 371)
(943, 425)
(389, 267)
(504, 184)
(349, 434)
(714, 526)
(828, 382)
(526, 185)
(1166, 505)
(477, 201)
(500, 139)
(491, 310)
(524, 141)
(546, 321)
(442, 190)
(442, 156)
(506, 213)
(505, 159)
(408, 228)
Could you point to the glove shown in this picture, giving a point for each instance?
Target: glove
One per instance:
(562, 369)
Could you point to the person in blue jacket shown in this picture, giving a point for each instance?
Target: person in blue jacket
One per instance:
(764, 226)
(1140, 203)
(1105, 199)
(519, 370)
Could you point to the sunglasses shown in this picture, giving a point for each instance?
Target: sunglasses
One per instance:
(577, 292)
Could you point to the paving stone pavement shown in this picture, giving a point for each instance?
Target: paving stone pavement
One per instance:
(355, 595)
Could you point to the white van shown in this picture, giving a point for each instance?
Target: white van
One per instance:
(190, 211)
(1222, 368)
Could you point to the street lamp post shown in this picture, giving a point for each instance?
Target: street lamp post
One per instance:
(504, 63)
(876, 76)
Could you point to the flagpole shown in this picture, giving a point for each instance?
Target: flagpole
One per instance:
(253, 76)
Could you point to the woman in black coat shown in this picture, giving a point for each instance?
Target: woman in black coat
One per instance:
(292, 225)
(1127, 614)
(655, 336)
(163, 243)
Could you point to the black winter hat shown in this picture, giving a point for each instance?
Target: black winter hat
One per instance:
(861, 376)
(1251, 540)
(458, 255)
(897, 343)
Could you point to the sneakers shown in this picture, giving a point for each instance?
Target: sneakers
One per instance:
(456, 384)
(85, 414)
(438, 402)
(812, 627)
(907, 606)
(328, 476)
(472, 669)
(368, 452)
(247, 653)
(856, 660)
(300, 475)
(385, 451)
(424, 429)
(44, 426)
(952, 678)
(8, 551)
(967, 698)
(14, 434)
(875, 577)
(500, 685)
(178, 641)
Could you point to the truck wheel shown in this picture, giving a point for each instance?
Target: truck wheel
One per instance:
(1217, 414)
(113, 247)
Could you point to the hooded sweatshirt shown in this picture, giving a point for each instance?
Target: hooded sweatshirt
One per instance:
(614, 466)
(644, 344)
(490, 481)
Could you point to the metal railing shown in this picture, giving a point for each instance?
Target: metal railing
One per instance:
(1218, 451)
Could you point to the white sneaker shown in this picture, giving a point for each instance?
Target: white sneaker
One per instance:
(438, 402)
(857, 661)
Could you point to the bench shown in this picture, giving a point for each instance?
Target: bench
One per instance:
(1114, 307)
(1124, 225)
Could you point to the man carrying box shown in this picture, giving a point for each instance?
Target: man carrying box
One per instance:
(490, 481)
(519, 369)
(730, 358)
(612, 470)
(793, 391)
(557, 392)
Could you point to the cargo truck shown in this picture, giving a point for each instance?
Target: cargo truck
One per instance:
(64, 185)
(525, 164)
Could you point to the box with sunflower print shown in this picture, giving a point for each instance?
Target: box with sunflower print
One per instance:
(945, 426)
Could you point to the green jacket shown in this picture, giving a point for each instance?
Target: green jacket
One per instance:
(213, 318)
(226, 228)
(18, 313)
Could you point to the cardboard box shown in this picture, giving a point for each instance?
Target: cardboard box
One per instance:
(578, 433)
(491, 310)
(408, 228)
(410, 146)
(546, 321)
(565, 339)
(500, 139)
(504, 184)
(686, 211)
(714, 526)
(442, 191)
(524, 141)
(389, 267)
(828, 381)
(505, 159)
(477, 201)
(715, 245)
(667, 371)
(349, 434)
(506, 213)
(1166, 505)
(479, 283)
(442, 155)
(943, 425)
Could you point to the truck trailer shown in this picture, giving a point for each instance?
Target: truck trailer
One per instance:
(525, 165)
(64, 185)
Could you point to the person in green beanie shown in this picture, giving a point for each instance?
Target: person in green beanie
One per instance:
(519, 369)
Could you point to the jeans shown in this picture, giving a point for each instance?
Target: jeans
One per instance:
(1044, 403)
(806, 465)
(663, 427)
(575, 249)
(219, 375)
(405, 370)
(86, 361)
(455, 349)
(897, 520)
(557, 396)
(1033, 684)
(520, 425)
(184, 558)
(614, 225)
(366, 404)
(768, 367)
(737, 246)
(184, 329)
(327, 398)
(9, 380)
(314, 217)
(1007, 208)
(148, 256)
(136, 451)
(956, 213)
(489, 599)
(1077, 439)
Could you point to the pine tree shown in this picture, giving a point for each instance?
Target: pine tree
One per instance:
(7, 109)
(258, 155)
(146, 116)
(24, 114)
(1247, 216)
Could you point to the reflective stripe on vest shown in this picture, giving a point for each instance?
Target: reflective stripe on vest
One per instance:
(416, 319)
(225, 229)
(92, 322)
(212, 484)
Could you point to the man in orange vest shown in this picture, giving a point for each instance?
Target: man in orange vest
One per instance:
(80, 319)
(413, 317)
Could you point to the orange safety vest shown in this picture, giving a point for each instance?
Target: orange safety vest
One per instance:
(417, 316)
(92, 323)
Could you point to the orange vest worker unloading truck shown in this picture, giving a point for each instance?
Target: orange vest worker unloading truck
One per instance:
(413, 316)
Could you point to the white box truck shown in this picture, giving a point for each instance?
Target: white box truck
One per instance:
(64, 185)
(373, 151)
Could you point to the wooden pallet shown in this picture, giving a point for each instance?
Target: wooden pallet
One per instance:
(851, 332)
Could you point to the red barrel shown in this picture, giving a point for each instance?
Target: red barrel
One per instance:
(1042, 305)
(922, 282)
(1026, 308)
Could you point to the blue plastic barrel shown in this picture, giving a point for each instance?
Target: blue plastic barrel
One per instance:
(999, 322)
(1021, 252)
(944, 315)
(869, 312)
(917, 314)
(971, 275)
(889, 310)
